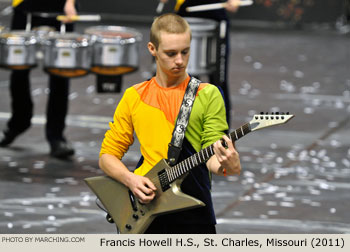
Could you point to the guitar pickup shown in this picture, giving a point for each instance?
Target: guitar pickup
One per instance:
(164, 180)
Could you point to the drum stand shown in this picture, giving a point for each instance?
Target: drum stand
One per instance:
(109, 83)
(219, 77)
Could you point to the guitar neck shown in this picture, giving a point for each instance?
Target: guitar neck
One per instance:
(202, 156)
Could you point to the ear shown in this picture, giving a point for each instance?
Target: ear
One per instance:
(151, 48)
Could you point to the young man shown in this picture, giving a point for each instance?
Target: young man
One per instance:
(150, 109)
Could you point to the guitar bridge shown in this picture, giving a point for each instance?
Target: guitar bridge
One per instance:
(164, 180)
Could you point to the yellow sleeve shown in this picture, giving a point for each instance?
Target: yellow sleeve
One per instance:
(16, 2)
(120, 135)
(178, 5)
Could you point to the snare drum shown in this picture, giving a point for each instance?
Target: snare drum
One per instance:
(203, 46)
(67, 54)
(115, 49)
(18, 50)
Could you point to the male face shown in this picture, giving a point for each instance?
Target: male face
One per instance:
(172, 53)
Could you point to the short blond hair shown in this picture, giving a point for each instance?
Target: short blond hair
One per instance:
(170, 23)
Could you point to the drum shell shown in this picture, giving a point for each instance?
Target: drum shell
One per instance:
(66, 57)
(114, 55)
(203, 51)
(18, 50)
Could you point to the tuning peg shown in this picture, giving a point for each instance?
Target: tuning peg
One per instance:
(261, 113)
(287, 113)
(277, 113)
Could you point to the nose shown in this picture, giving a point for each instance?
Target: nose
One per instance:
(179, 59)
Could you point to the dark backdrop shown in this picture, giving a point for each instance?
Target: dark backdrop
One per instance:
(289, 11)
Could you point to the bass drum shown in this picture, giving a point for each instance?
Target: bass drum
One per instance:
(67, 54)
(18, 49)
(115, 49)
(203, 46)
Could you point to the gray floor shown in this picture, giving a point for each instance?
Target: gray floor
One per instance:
(295, 177)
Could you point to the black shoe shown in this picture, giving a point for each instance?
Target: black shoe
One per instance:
(61, 149)
(8, 137)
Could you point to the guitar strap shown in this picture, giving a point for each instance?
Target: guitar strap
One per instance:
(182, 121)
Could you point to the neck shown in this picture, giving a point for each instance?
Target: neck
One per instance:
(169, 81)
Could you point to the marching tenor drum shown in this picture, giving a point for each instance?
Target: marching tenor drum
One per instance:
(115, 49)
(67, 54)
(203, 46)
(18, 49)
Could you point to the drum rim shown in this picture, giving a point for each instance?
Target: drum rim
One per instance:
(18, 37)
(197, 24)
(137, 36)
(66, 39)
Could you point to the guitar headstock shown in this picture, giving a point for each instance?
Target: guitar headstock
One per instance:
(269, 119)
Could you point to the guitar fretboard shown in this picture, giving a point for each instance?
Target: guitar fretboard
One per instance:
(202, 156)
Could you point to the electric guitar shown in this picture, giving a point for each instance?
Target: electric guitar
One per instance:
(130, 216)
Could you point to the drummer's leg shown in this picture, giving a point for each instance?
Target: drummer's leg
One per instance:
(21, 107)
(57, 108)
(21, 102)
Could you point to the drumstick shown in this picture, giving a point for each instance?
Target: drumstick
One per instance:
(80, 18)
(160, 7)
(215, 6)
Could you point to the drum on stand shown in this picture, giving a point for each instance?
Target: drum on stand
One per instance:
(203, 46)
(115, 49)
(18, 49)
(67, 54)
(115, 53)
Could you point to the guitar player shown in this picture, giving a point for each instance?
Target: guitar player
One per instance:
(149, 111)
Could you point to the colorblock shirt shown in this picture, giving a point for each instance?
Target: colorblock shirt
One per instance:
(150, 111)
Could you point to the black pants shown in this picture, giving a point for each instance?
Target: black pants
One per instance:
(22, 105)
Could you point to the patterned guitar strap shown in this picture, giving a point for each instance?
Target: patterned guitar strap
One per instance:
(182, 121)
